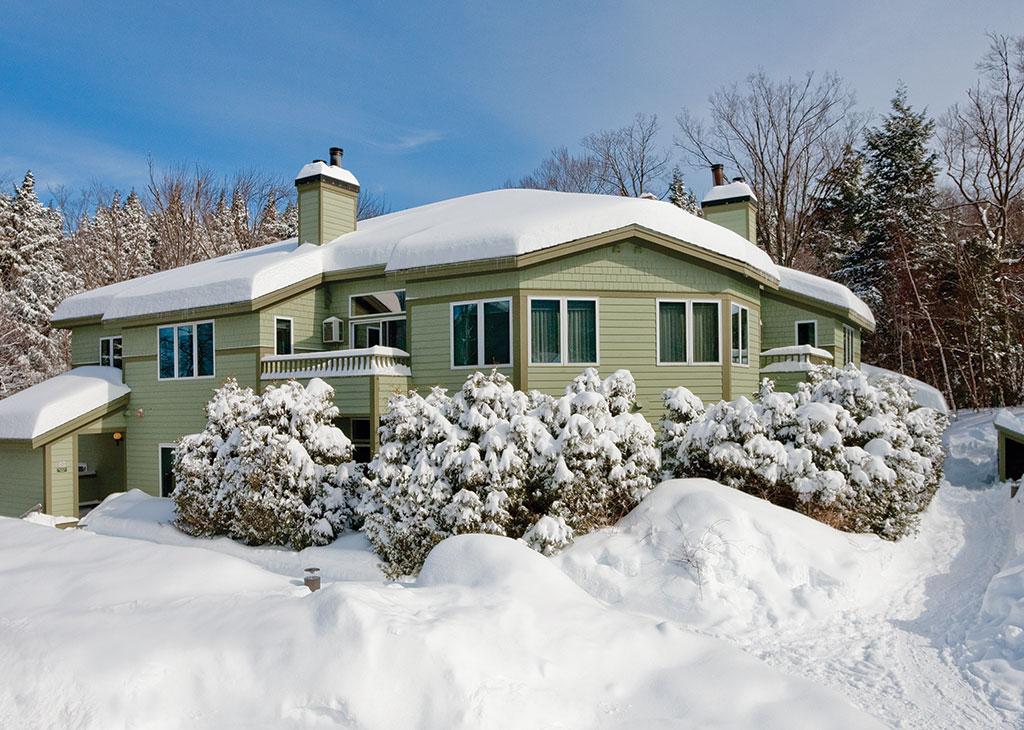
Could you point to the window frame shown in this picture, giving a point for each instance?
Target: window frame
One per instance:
(848, 337)
(480, 339)
(563, 331)
(291, 335)
(379, 322)
(195, 349)
(111, 339)
(160, 466)
(796, 331)
(739, 364)
(689, 330)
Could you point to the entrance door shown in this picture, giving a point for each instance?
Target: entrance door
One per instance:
(166, 469)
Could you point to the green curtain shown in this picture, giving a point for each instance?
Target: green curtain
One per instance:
(705, 332)
(672, 331)
(581, 318)
(496, 333)
(464, 334)
(544, 328)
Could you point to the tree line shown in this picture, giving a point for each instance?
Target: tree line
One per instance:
(921, 217)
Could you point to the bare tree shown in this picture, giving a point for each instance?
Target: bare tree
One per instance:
(180, 201)
(564, 172)
(371, 204)
(783, 137)
(630, 161)
(255, 199)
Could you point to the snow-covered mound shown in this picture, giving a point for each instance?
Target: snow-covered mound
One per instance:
(108, 632)
(924, 394)
(724, 561)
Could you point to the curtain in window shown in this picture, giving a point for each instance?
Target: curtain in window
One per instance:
(464, 334)
(204, 341)
(672, 331)
(581, 320)
(740, 334)
(705, 332)
(544, 328)
(496, 333)
(185, 351)
(166, 352)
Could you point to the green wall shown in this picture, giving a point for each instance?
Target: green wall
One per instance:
(21, 479)
(63, 477)
(85, 343)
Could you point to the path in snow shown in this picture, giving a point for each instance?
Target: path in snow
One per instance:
(901, 657)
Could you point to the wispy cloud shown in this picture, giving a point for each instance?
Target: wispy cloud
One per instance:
(409, 142)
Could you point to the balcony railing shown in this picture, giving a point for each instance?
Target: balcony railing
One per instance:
(794, 358)
(337, 364)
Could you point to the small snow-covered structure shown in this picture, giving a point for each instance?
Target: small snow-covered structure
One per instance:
(1010, 428)
(61, 433)
(537, 284)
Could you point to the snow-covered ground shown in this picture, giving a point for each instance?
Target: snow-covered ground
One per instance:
(703, 608)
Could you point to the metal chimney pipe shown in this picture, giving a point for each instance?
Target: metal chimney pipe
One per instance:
(336, 153)
(718, 174)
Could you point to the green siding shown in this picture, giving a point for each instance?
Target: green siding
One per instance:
(85, 343)
(307, 312)
(63, 474)
(309, 214)
(780, 318)
(739, 218)
(325, 205)
(21, 478)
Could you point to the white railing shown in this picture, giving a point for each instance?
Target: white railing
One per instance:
(793, 358)
(337, 364)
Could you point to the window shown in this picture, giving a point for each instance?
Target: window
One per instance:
(688, 332)
(185, 351)
(482, 333)
(847, 344)
(370, 327)
(740, 335)
(359, 433)
(563, 331)
(807, 333)
(282, 336)
(166, 469)
(110, 352)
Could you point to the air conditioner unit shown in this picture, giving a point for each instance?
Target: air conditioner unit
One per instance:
(334, 330)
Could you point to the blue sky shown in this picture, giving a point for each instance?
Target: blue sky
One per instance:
(429, 100)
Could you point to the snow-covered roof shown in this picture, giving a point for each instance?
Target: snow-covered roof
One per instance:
(728, 192)
(505, 223)
(1007, 421)
(322, 168)
(237, 277)
(48, 405)
(824, 290)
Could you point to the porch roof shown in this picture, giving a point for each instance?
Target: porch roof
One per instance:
(33, 413)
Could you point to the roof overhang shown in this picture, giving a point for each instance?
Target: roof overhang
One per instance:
(806, 301)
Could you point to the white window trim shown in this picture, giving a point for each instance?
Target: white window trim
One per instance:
(378, 315)
(796, 331)
(739, 364)
(563, 332)
(291, 335)
(689, 331)
(111, 339)
(159, 466)
(479, 334)
(848, 331)
(370, 319)
(195, 350)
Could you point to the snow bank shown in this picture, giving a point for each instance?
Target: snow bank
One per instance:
(107, 632)
(924, 394)
(723, 561)
(504, 223)
(824, 290)
(51, 403)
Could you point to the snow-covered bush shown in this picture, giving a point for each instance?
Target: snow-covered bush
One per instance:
(862, 457)
(268, 469)
(495, 460)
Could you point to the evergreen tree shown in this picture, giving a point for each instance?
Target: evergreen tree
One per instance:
(679, 196)
(839, 217)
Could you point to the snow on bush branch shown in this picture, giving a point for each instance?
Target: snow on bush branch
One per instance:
(496, 460)
(861, 457)
(267, 469)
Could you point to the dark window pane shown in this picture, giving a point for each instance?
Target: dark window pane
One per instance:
(204, 336)
(115, 358)
(672, 331)
(166, 352)
(395, 334)
(360, 429)
(806, 334)
(705, 332)
(496, 333)
(185, 369)
(464, 334)
(387, 302)
(745, 347)
(581, 320)
(166, 471)
(283, 339)
(545, 336)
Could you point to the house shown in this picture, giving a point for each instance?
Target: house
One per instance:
(537, 284)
